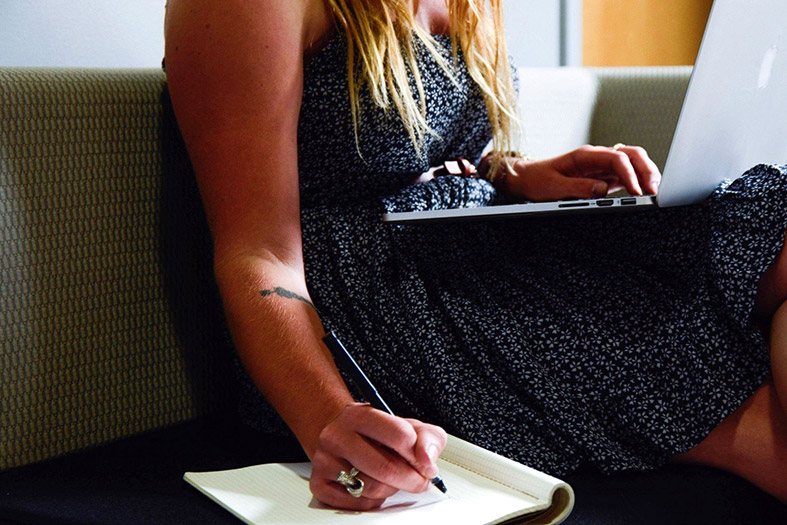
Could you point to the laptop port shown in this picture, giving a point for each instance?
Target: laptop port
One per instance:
(628, 202)
(604, 203)
(574, 205)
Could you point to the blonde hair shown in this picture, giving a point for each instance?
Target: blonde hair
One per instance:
(380, 56)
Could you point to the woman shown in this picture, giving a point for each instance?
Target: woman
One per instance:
(508, 334)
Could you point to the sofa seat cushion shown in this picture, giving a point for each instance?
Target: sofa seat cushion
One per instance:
(139, 480)
(675, 494)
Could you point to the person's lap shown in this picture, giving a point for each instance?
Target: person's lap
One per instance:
(707, 247)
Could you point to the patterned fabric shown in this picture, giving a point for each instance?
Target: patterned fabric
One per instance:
(618, 340)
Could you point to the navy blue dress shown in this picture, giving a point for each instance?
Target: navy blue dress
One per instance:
(617, 340)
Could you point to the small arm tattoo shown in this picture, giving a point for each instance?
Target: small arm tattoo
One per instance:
(287, 295)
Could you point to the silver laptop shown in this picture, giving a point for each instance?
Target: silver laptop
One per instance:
(734, 116)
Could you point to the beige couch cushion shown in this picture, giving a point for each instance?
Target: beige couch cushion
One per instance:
(109, 320)
(562, 109)
(90, 346)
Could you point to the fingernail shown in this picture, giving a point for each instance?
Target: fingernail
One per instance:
(433, 452)
(600, 189)
(431, 472)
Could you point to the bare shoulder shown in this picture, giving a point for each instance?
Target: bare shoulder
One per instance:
(267, 19)
(305, 19)
(235, 75)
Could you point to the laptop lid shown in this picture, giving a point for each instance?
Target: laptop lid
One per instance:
(735, 112)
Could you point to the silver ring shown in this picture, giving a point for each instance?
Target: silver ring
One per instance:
(353, 485)
(618, 146)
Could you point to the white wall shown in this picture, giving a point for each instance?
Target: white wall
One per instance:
(129, 33)
(544, 33)
(81, 33)
(572, 33)
(533, 31)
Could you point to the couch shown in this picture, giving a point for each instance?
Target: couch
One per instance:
(115, 371)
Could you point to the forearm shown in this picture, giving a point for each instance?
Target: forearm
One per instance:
(277, 333)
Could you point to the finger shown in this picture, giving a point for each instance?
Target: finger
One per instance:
(430, 444)
(647, 171)
(389, 431)
(326, 468)
(606, 159)
(335, 495)
(544, 182)
(388, 468)
(622, 167)
(376, 489)
(613, 183)
(582, 188)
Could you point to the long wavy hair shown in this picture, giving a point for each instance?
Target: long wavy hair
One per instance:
(381, 57)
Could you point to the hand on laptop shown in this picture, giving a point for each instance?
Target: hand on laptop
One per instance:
(585, 173)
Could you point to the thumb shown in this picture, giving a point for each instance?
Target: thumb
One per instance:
(430, 444)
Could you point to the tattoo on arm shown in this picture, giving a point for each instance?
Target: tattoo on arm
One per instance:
(287, 295)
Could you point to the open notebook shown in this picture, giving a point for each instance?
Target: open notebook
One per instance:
(483, 487)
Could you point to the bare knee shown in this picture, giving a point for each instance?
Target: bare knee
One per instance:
(778, 350)
(772, 289)
(751, 442)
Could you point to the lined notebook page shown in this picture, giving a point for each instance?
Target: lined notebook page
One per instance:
(504, 470)
(540, 486)
(279, 494)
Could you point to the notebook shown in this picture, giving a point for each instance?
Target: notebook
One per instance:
(483, 488)
(734, 116)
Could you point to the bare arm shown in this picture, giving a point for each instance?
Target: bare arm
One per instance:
(235, 74)
(236, 84)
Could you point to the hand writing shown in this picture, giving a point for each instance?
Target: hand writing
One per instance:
(390, 453)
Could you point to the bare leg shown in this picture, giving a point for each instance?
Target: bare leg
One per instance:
(772, 291)
(770, 312)
(779, 354)
(751, 442)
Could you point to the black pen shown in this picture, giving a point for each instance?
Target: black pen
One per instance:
(346, 362)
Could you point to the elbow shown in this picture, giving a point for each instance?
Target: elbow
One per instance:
(256, 270)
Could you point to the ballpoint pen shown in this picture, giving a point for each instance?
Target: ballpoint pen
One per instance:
(346, 362)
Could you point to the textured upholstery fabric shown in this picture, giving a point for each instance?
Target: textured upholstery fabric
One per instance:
(564, 108)
(109, 321)
(639, 106)
(90, 345)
